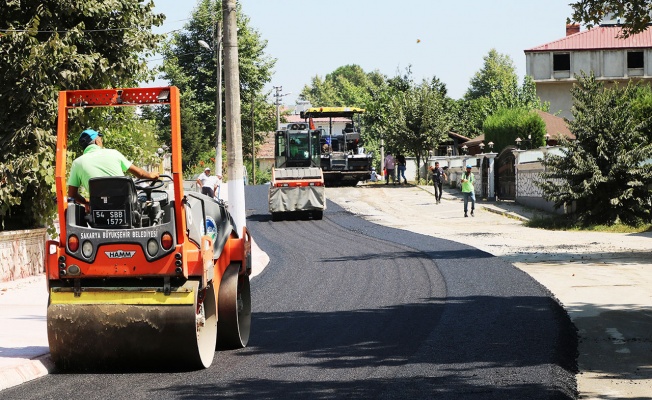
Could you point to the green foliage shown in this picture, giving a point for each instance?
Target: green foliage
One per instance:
(377, 118)
(507, 124)
(419, 118)
(492, 88)
(606, 172)
(123, 129)
(497, 76)
(568, 223)
(48, 47)
(262, 175)
(635, 15)
(470, 114)
(194, 145)
(194, 70)
(348, 86)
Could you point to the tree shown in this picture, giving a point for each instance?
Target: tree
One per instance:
(493, 87)
(194, 70)
(48, 47)
(348, 85)
(636, 15)
(605, 173)
(377, 119)
(419, 118)
(498, 74)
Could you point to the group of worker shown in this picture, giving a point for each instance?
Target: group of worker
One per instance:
(438, 177)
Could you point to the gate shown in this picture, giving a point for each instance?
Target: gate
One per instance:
(506, 175)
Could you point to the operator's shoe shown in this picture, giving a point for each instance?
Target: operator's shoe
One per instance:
(472, 213)
(465, 215)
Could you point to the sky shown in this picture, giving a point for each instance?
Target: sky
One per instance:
(435, 38)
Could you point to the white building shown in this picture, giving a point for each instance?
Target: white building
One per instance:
(612, 59)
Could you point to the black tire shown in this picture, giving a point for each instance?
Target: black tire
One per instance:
(233, 310)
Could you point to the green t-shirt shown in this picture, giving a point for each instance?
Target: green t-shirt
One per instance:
(467, 187)
(96, 162)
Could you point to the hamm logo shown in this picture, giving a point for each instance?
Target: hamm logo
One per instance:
(120, 254)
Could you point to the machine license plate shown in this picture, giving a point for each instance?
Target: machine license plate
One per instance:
(109, 217)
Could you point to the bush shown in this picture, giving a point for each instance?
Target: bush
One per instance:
(507, 124)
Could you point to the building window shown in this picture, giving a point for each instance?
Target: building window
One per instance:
(561, 62)
(635, 59)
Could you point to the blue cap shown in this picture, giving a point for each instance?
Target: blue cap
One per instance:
(469, 166)
(87, 137)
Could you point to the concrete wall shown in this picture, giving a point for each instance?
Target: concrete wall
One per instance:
(22, 254)
(528, 172)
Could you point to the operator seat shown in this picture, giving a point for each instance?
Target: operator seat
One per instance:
(113, 203)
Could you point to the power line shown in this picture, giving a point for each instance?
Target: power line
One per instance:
(83, 30)
(97, 30)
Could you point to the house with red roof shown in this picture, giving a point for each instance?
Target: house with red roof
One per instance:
(602, 50)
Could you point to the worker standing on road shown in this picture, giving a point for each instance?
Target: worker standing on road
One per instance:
(468, 191)
(402, 165)
(390, 163)
(438, 177)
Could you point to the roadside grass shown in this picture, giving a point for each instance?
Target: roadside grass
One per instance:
(563, 223)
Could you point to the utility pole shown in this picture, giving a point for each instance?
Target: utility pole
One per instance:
(278, 96)
(218, 107)
(253, 142)
(233, 124)
(278, 104)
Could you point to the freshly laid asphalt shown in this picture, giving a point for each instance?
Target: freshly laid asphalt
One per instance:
(603, 281)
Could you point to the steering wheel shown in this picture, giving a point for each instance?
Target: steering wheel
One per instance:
(142, 184)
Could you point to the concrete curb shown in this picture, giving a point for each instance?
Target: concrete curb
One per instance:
(505, 213)
(25, 371)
